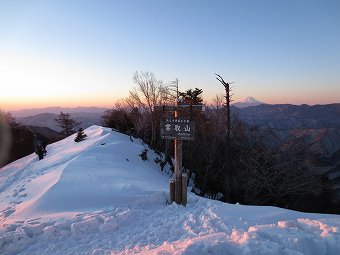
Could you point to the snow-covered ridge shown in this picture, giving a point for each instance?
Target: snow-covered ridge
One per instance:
(73, 176)
(99, 197)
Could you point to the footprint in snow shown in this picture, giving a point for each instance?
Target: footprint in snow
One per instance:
(7, 212)
(17, 202)
(23, 195)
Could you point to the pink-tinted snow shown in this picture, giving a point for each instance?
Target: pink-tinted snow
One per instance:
(98, 197)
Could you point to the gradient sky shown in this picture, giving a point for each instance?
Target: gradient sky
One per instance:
(84, 53)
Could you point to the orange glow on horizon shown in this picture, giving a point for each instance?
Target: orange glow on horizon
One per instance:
(30, 103)
(11, 104)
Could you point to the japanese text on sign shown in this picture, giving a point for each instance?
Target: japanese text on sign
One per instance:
(177, 128)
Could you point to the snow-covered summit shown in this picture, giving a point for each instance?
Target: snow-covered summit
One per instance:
(248, 101)
(99, 197)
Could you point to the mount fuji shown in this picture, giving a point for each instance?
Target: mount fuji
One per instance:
(248, 101)
(98, 197)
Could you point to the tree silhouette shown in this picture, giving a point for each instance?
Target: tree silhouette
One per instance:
(192, 96)
(228, 100)
(80, 135)
(66, 123)
(16, 141)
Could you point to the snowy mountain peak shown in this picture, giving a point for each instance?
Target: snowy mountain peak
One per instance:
(248, 101)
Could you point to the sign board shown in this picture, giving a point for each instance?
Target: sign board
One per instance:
(178, 128)
(178, 107)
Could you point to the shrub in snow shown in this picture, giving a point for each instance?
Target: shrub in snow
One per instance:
(161, 162)
(80, 135)
(144, 154)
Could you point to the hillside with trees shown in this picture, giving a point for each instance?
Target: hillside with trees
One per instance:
(281, 155)
(237, 166)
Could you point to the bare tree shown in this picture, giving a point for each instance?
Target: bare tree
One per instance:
(118, 119)
(148, 93)
(228, 100)
(66, 123)
(205, 156)
(275, 177)
(170, 92)
(218, 101)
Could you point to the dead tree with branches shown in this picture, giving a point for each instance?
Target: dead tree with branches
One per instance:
(228, 100)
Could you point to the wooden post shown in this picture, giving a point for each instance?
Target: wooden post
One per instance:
(178, 189)
(184, 189)
(172, 130)
(178, 171)
(172, 191)
(178, 167)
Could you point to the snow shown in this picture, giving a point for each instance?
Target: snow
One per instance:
(246, 102)
(98, 197)
(249, 99)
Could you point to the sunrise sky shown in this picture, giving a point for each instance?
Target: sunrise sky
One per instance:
(84, 53)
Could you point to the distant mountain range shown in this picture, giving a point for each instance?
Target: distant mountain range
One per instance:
(57, 110)
(45, 117)
(317, 125)
(86, 119)
(287, 116)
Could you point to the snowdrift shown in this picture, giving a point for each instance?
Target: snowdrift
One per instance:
(99, 197)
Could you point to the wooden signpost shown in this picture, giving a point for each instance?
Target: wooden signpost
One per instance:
(178, 129)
